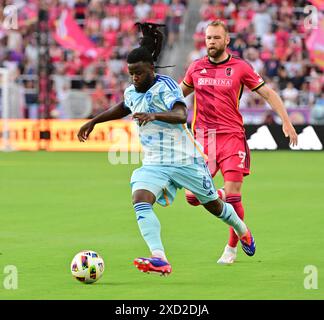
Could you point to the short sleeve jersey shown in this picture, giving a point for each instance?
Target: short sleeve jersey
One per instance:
(163, 143)
(218, 89)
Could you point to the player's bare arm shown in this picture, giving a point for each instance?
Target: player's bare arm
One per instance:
(277, 105)
(118, 111)
(178, 114)
(185, 89)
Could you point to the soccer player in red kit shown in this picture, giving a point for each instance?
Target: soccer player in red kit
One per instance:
(218, 80)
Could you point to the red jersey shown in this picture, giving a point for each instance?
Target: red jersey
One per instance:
(218, 89)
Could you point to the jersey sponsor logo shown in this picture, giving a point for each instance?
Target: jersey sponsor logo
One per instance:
(308, 140)
(218, 82)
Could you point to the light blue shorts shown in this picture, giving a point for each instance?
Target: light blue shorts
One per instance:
(163, 182)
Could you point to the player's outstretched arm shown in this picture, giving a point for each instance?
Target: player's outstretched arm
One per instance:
(277, 105)
(118, 111)
(178, 114)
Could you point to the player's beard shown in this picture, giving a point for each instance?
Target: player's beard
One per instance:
(215, 53)
(146, 84)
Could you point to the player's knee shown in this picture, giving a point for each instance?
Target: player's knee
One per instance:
(191, 199)
(143, 196)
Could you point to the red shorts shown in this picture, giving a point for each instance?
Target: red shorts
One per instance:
(228, 152)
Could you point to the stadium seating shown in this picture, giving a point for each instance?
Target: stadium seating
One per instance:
(108, 24)
(269, 34)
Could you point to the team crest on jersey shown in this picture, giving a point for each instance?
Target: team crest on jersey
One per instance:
(229, 72)
(148, 97)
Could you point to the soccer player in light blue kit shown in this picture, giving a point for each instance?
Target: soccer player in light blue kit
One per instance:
(172, 158)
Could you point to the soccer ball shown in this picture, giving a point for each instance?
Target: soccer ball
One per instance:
(87, 266)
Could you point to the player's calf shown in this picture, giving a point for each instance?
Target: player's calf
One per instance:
(192, 200)
(227, 214)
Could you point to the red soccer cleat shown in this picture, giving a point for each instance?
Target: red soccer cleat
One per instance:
(153, 265)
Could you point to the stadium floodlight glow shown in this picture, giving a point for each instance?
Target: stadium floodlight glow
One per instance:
(4, 73)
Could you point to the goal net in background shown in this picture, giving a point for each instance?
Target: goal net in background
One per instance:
(20, 133)
(11, 102)
(77, 105)
(4, 111)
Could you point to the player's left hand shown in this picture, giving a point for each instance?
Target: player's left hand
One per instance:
(290, 132)
(143, 117)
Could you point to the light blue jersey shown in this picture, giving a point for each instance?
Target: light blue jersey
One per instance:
(163, 143)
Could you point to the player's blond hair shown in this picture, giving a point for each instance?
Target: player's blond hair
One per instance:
(219, 23)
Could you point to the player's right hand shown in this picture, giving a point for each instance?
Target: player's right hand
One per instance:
(290, 132)
(85, 130)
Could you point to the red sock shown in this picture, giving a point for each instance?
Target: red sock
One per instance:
(235, 201)
(221, 194)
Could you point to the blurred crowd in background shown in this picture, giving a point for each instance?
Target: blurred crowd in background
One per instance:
(109, 24)
(270, 34)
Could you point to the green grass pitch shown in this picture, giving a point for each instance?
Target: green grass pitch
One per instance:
(56, 204)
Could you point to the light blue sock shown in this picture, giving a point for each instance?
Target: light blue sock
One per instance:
(230, 217)
(149, 225)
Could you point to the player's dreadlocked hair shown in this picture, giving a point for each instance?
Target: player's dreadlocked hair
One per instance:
(150, 44)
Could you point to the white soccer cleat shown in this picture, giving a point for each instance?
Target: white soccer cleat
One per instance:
(228, 256)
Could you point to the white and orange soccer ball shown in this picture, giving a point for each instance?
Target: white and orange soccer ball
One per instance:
(87, 266)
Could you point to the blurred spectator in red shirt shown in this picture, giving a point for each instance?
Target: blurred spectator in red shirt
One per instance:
(174, 20)
(100, 101)
(125, 9)
(282, 38)
(241, 22)
(159, 11)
